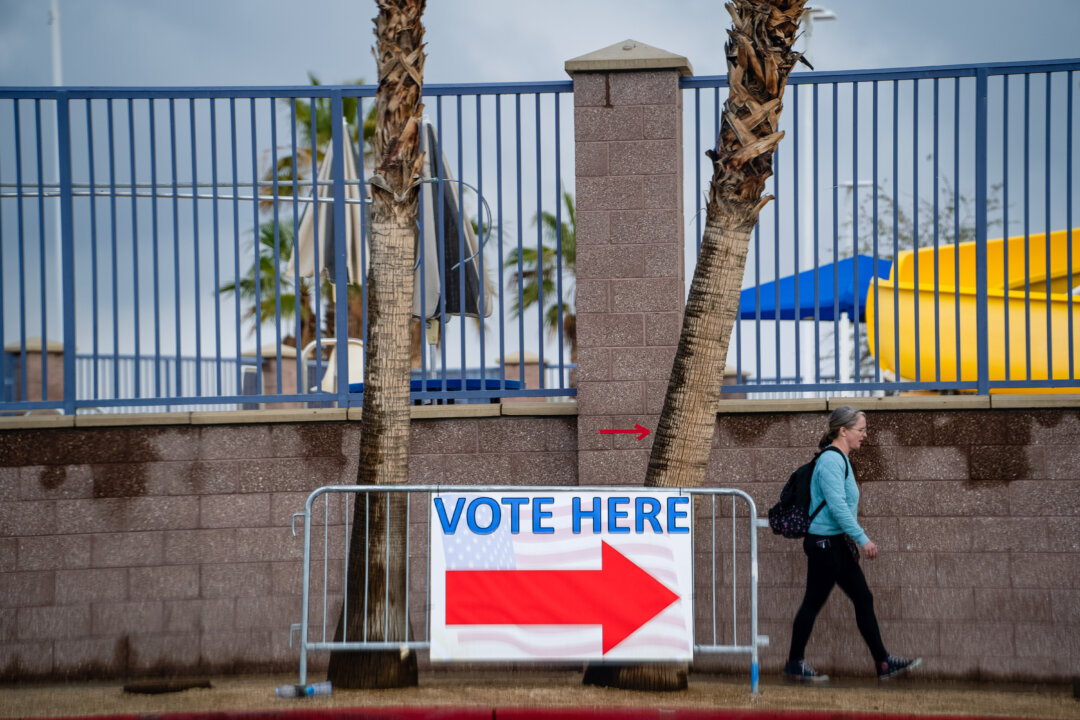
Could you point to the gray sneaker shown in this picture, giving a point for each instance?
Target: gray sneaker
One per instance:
(800, 671)
(893, 666)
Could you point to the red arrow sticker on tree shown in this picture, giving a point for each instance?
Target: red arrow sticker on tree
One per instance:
(638, 430)
(620, 596)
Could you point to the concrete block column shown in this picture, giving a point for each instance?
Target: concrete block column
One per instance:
(630, 296)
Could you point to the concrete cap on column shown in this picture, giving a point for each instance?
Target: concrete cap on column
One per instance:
(629, 55)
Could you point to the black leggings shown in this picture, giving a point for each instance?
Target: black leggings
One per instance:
(825, 567)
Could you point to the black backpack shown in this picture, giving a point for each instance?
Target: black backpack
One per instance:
(789, 516)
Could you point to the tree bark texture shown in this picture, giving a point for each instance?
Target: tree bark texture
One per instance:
(379, 532)
(376, 601)
(759, 59)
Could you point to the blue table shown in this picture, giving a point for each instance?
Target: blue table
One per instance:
(452, 385)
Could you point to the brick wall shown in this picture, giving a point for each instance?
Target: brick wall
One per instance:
(148, 550)
(127, 551)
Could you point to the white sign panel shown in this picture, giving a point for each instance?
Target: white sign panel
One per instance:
(562, 576)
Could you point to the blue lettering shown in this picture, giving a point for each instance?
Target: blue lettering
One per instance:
(539, 514)
(673, 515)
(496, 515)
(449, 527)
(642, 514)
(514, 503)
(593, 515)
(614, 514)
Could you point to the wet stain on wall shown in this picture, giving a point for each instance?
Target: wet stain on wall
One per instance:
(119, 480)
(749, 429)
(126, 476)
(52, 476)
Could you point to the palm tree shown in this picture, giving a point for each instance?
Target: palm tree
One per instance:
(266, 307)
(759, 59)
(384, 438)
(534, 274)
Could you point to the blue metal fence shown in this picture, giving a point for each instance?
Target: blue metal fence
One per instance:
(155, 227)
(152, 229)
(918, 170)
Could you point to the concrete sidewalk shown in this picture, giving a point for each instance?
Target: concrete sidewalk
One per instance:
(553, 695)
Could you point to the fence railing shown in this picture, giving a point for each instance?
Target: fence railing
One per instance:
(954, 187)
(206, 225)
(724, 540)
(921, 237)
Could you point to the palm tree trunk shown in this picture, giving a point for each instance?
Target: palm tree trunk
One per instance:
(759, 59)
(379, 529)
(685, 430)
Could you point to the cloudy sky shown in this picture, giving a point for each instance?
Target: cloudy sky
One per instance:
(276, 42)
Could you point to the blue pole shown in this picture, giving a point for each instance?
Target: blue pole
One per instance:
(1068, 211)
(156, 249)
(795, 242)
(195, 248)
(93, 244)
(43, 276)
(981, 83)
(1049, 305)
(277, 244)
(915, 219)
(257, 249)
(937, 230)
(558, 244)
(67, 242)
(114, 267)
(499, 197)
(1005, 213)
(134, 248)
(217, 241)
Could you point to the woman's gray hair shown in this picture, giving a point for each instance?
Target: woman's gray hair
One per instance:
(844, 416)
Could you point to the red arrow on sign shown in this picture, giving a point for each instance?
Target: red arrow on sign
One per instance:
(638, 430)
(620, 596)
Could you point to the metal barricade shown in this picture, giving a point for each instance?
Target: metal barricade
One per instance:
(725, 567)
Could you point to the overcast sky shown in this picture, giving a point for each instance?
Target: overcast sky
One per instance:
(276, 42)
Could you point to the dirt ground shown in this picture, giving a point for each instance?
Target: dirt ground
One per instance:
(555, 689)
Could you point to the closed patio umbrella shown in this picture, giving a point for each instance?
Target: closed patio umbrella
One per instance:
(444, 233)
(322, 209)
(442, 226)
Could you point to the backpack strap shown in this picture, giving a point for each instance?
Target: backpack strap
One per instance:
(846, 470)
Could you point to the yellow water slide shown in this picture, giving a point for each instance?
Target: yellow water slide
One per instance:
(1028, 323)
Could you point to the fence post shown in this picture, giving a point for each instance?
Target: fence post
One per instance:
(630, 294)
(981, 260)
(67, 249)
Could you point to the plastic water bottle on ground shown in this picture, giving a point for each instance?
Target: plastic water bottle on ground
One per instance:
(291, 691)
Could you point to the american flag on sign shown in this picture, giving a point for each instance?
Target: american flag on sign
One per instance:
(468, 551)
(560, 550)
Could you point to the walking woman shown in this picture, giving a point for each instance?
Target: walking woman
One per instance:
(832, 549)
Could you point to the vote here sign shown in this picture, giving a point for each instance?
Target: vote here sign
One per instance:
(561, 576)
